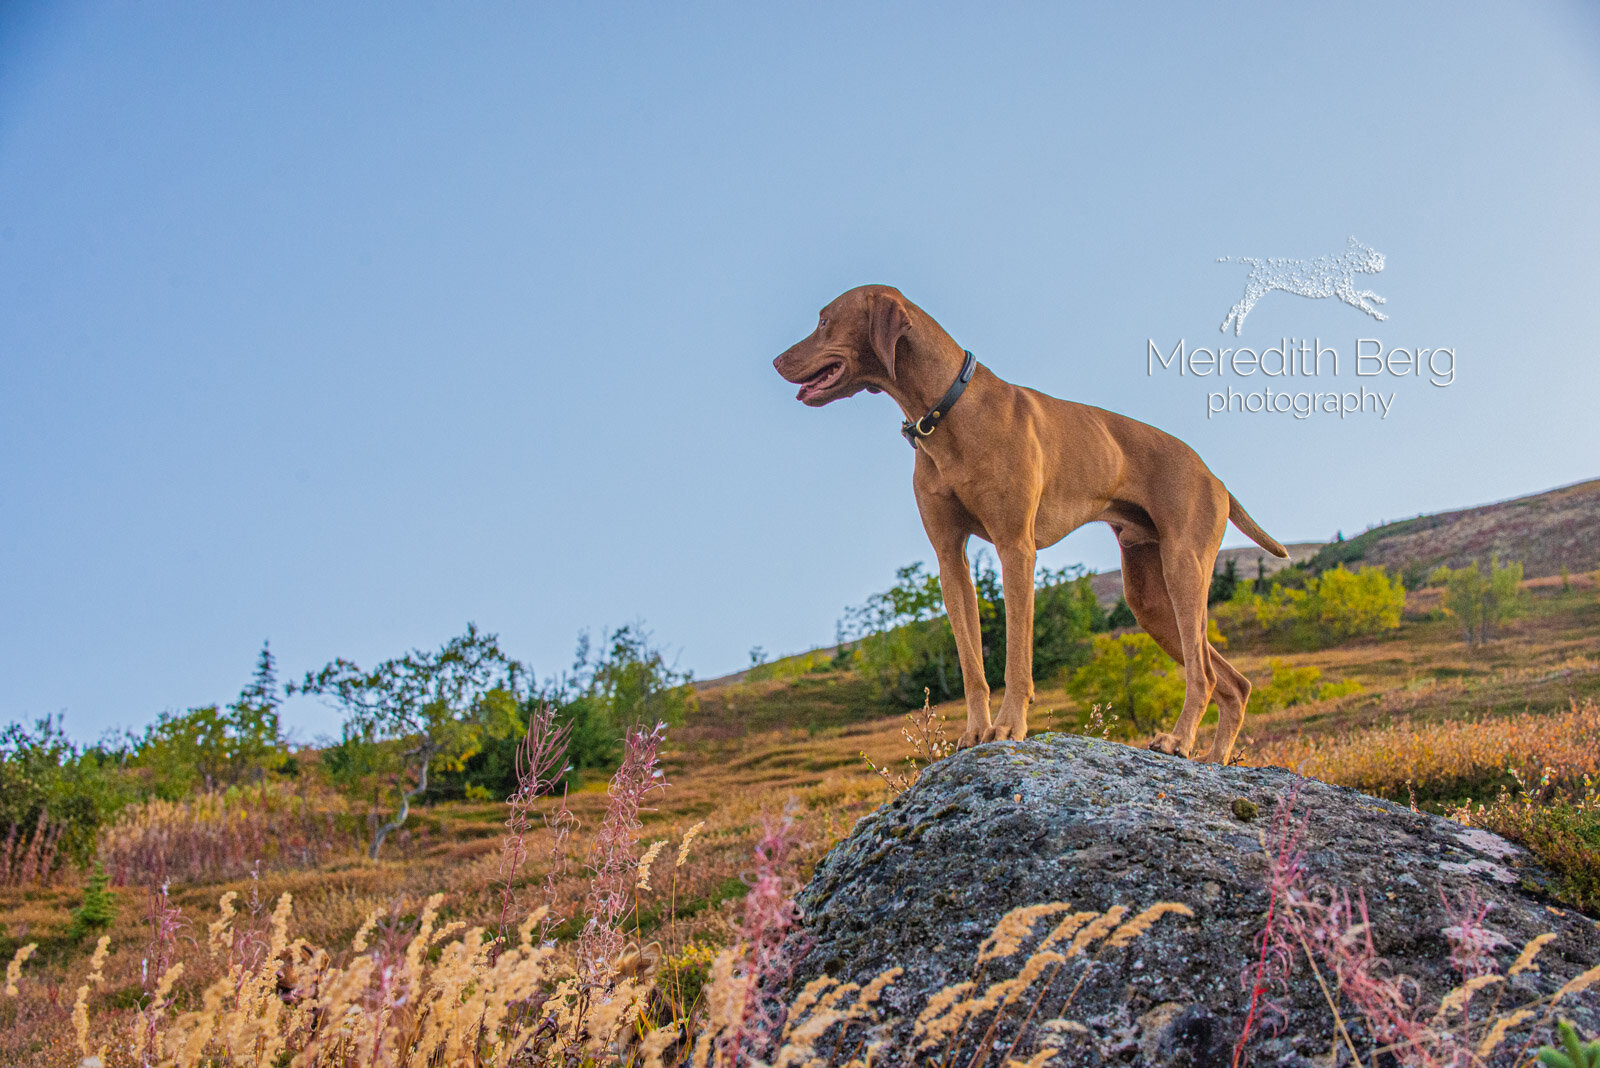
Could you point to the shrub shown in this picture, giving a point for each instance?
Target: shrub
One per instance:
(1121, 616)
(31, 856)
(1319, 609)
(62, 792)
(632, 683)
(1563, 832)
(790, 667)
(1131, 677)
(929, 741)
(425, 708)
(1344, 604)
(491, 772)
(1065, 613)
(214, 746)
(1292, 686)
(1574, 1051)
(1223, 583)
(1480, 599)
(904, 643)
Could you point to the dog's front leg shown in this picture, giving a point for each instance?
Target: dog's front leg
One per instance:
(1016, 573)
(961, 606)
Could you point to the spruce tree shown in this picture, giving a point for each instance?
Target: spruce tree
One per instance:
(99, 906)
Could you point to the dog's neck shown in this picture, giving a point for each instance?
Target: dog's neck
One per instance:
(930, 362)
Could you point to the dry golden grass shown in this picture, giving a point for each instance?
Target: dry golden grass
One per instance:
(1452, 757)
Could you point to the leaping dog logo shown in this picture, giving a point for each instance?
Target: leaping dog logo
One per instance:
(1325, 276)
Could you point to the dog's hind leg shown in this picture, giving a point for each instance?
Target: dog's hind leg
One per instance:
(1233, 694)
(1187, 584)
(1145, 589)
(1146, 592)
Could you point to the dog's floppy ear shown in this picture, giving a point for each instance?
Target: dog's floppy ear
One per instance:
(888, 323)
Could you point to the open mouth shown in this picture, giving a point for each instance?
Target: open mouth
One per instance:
(826, 377)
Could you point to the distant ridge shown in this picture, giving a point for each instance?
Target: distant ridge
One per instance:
(1547, 531)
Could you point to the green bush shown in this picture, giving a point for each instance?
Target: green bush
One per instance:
(1310, 610)
(1292, 686)
(1344, 604)
(903, 642)
(1129, 675)
(1481, 599)
(1121, 616)
(1223, 583)
(1574, 1051)
(631, 681)
(43, 773)
(1563, 832)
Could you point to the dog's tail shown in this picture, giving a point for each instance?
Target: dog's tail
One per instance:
(1242, 520)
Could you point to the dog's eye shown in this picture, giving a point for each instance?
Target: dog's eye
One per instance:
(821, 323)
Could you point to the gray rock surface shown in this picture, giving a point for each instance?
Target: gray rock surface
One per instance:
(922, 881)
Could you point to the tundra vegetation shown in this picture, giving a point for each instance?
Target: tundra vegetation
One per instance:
(599, 868)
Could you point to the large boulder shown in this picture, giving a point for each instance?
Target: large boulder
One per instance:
(922, 882)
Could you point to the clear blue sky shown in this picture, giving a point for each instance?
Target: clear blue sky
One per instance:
(341, 325)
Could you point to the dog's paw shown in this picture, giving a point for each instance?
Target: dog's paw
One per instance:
(1006, 730)
(1169, 744)
(970, 738)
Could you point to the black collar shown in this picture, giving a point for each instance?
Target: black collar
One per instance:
(930, 422)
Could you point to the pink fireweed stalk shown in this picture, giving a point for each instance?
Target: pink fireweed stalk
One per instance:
(157, 973)
(1333, 931)
(1272, 967)
(613, 863)
(1340, 933)
(769, 955)
(541, 762)
(1472, 944)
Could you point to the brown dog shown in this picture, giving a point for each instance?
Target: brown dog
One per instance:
(1022, 470)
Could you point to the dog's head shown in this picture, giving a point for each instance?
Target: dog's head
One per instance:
(1366, 259)
(853, 347)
